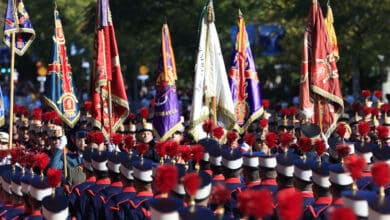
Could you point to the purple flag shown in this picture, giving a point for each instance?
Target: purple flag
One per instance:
(244, 82)
(166, 119)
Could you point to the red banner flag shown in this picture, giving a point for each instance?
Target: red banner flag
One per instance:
(109, 106)
(320, 95)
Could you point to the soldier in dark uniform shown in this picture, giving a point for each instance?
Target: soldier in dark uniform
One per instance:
(251, 169)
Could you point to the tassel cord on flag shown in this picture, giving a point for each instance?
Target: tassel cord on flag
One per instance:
(11, 91)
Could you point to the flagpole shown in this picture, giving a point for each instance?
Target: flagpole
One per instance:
(109, 107)
(11, 91)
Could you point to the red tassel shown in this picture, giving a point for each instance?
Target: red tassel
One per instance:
(270, 139)
(285, 138)
(98, 137)
(54, 177)
(378, 94)
(208, 125)
(197, 152)
(218, 132)
(41, 160)
(185, 152)
(265, 103)
(220, 194)
(116, 138)
(366, 93)
(304, 144)
(166, 178)
(381, 173)
(355, 165)
(142, 148)
(263, 123)
(191, 182)
(341, 129)
(320, 147)
(290, 205)
(367, 110)
(250, 139)
(144, 113)
(364, 128)
(231, 136)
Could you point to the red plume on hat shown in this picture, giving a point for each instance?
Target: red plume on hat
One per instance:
(197, 152)
(208, 125)
(375, 111)
(218, 132)
(37, 114)
(116, 138)
(343, 150)
(132, 116)
(355, 165)
(250, 200)
(185, 152)
(290, 205)
(293, 110)
(129, 141)
(285, 138)
(161, 149)
(231, 136)
(364, 128)
(263, 123)
(144, 113)
(378, 94)
(3, 154)
(54, 177)
(367, 110)
(220, 194)
(265, 103)
(271, 139)
(171, 148)
(41, 161)
(341, 129)
(304, 144)
(15, 155)
(98, 137)
(166, 178)
(381, 173)
(286, 112)
(383, 132)
(88, 106)
(320, 147)
(192, 182)
(366, 93)
(341, 213)
(385, 108)
(23, 110)
(142, 148)
(250, 139)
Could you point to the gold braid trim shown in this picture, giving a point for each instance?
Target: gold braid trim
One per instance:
(59, 113)
(251, 119)
(168, 134)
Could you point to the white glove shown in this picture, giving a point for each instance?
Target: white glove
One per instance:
(111, 147)
(63, 142)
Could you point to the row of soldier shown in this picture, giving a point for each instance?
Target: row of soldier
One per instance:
(279, 159)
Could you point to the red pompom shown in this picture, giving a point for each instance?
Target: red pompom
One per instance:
(144, 113)
(271, 139)
(304, 144)
(375, 111)
(356, 106)
(342, 213)
(293, 110)
(381, 173)
(378, 94)
(129, 141)
(355, 165)
(208, 125)
(366, 93)
(220, 194)
(231, 136)
(171, 148)
(263, 123)
(285, 138)
(185, 152)
(37, 114)
(15, 155)
(385, 108)
(197, 152)
(54, 177)
(88, 106)
(98, 137)
(166, 178)
(132, 116)
(142, 148)
(364, 128)
(285, 112)
(191, 182)
(383, 132)
(290, 205)
(250, 139)
(91, 137)
(116, 138)
(367, 110)
(218, 132)
(23, 110)
(41, 161)
(265, 103)
(343, 150)
(320, 147)
(341, 129)
(161, 148)
(250, 200)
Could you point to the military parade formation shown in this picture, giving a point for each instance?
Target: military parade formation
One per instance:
(229, 155)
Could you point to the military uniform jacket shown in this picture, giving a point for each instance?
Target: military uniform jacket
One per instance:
(136, 208)
(113, 203)
(318, 210)
(88, 200)
(75, 192)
